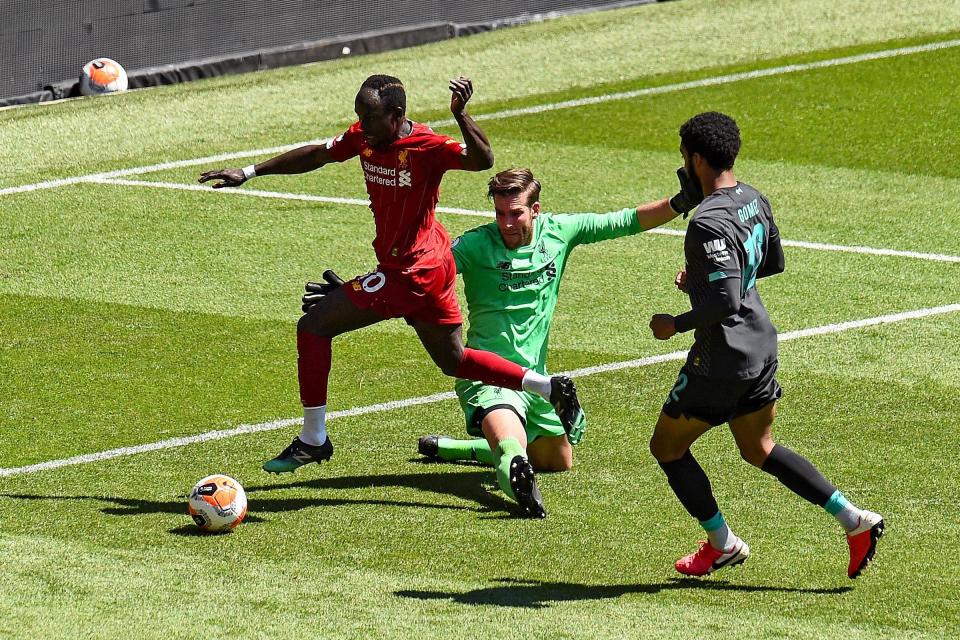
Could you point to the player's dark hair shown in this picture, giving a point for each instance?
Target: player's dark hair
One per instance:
(514, 182)
(390, 91)
(714, 136)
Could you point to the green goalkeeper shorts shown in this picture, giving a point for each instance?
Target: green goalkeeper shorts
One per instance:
(535, 413)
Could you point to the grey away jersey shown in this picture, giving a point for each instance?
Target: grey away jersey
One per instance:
(729, 238)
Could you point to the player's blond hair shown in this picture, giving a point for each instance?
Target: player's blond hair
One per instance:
(513, 182)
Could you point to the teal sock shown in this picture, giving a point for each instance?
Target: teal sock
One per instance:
(504, 455)
(844, 511)
(474, 449)
(718, 533)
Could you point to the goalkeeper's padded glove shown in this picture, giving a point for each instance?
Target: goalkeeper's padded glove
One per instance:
(315, 291)
(691, 194)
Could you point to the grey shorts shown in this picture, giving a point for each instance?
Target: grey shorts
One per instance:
(719, 400)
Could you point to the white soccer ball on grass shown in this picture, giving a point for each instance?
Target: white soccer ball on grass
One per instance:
(217, 503)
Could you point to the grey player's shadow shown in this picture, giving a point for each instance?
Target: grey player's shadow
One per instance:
(534, 594)
(469, 487)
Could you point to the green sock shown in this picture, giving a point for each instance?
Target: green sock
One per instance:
(506, 451)
(474, 449)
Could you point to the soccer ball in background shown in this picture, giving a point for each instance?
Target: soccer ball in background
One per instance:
(102, 75)
(217, 503)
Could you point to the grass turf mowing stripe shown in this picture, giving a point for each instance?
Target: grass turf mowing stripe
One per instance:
(509, 113)
(710, 82)
(447, 395)
(936, 257)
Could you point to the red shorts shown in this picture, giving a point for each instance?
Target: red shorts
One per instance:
(424, 295)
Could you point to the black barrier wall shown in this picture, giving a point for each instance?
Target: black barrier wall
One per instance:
(44, 43)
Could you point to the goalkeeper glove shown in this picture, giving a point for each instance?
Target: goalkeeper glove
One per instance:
(691, 194)
(315, 291)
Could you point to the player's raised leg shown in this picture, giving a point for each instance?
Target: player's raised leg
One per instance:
(670, 445)
(332, 315)
(753, 433)
(444, 343)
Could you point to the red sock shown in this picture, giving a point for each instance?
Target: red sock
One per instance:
(313, 368)
(490, 368)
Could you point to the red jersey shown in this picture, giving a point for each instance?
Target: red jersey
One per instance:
(403, 182)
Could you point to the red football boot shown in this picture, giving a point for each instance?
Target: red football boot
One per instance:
(863, 542)
(706, 559)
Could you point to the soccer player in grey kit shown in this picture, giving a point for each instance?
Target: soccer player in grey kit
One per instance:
(731, 242)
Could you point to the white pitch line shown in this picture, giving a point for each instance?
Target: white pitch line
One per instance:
(509, 113)
(163, 166)
(937, 257)
(279, 195)
(709, 82)
(843, 248)
(220, 435)
(449, 395)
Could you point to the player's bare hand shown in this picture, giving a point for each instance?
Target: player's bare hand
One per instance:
(227, 177)
(462, 89)
(663, 326)
(681, 280)
(316, 291)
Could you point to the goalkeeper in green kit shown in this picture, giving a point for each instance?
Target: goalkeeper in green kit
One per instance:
(511, 271)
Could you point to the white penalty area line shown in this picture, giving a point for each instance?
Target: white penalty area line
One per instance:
(510, 113)
(936, 257)
(449, 395)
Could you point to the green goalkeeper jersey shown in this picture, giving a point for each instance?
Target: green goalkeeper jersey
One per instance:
(511, 293)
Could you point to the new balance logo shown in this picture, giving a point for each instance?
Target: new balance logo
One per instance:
(302, 457)
(715, 246)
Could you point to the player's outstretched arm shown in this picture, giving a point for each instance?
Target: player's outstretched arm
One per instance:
(654, 214)
(299, 160)
(479, 152)
(660, 212)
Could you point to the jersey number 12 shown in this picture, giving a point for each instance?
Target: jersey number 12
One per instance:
(754, 248)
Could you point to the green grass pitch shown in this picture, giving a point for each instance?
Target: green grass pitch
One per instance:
(136, 314)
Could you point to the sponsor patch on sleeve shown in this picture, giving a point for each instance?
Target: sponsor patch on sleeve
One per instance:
(716, 251)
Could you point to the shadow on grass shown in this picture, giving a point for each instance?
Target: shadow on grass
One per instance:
(466, 486)
(533, 594)
(469, 487)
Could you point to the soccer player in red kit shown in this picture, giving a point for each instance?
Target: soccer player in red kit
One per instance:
(403, 163)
